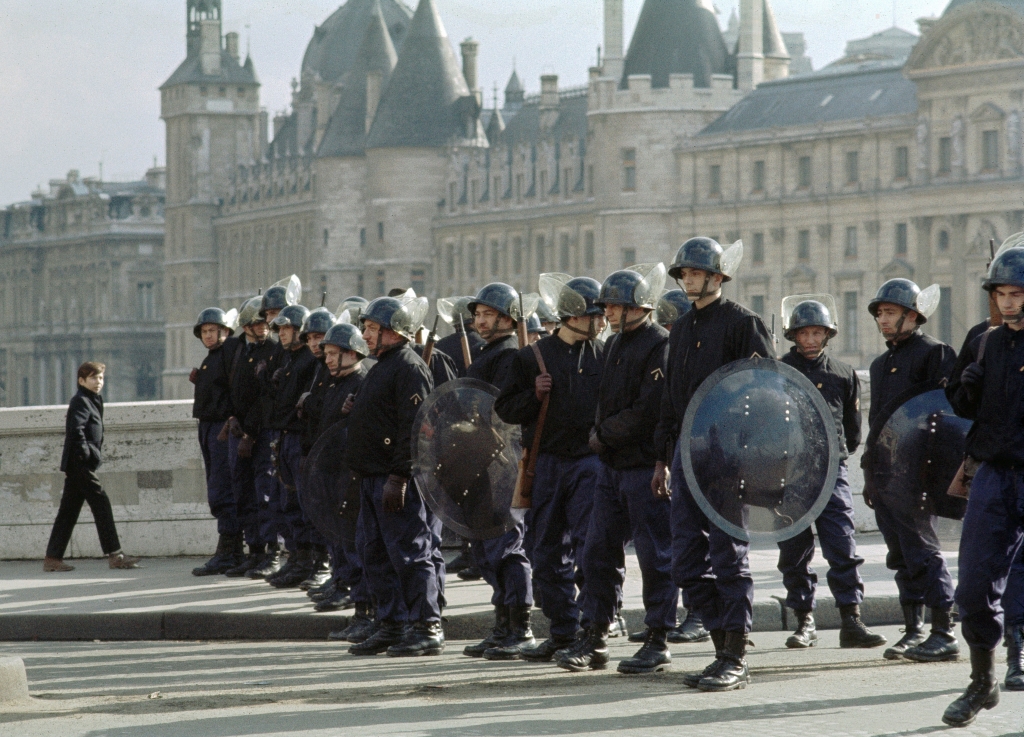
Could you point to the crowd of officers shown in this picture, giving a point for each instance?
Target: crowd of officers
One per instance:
(608, 471)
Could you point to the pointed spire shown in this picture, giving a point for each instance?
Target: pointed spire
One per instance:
(774, 46)
(495, 126)
(427, 101)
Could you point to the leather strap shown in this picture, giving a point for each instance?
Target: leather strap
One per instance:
(541, 417)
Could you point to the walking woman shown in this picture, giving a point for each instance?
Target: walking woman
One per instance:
(83, 454)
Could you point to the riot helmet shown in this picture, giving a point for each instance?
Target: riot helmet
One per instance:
(354, 306)
(1007, 269)
(293, 315)
(566, 296)
(319, 320)
(250, 312)
(545, 315)
(280, 295)
(391, 313)
(706, 254)
(497, 296)
(809, 310)
(534, 326)
(215, 316)
(347, 337)
(637, 286)
(906, 294)
(672, 305)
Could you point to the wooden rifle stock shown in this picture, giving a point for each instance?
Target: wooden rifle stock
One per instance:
(522, 498)
(428, 349)
(467, 358)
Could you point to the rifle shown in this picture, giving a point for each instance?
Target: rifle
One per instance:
(428, 349)
(467, 358)
(522, 497)
(995, 317)
(524, 337)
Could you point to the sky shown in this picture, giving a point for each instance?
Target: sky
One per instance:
(79, 78)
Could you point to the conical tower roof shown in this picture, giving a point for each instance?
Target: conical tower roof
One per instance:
(495, 125)
(676, 37)
(333, 50)
(771, 38)
(346, 131)
(427, 101)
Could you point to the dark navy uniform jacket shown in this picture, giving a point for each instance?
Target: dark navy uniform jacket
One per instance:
(702, 341)
(442, 366)
(83, 432)
(452, 346)
(212, 402)
(322, 407)
(997, 405)
(965, 357)
(492, 361)
(294, 378)
(575, 381)
(916, 360)
(839, 385)
(276, 356)
(380, 425)
(629, 400)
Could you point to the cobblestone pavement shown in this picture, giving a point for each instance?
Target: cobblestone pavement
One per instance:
(200, 689)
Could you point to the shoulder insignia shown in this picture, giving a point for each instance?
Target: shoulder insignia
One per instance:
(250, 360)
(892, 370)
(820, 385)
(657, 374)
(204, 367)
(416, 399)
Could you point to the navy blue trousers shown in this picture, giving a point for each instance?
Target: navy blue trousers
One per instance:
(1013, 597)
(273, 529)
(563, 495)
(219, 493)
(989, 544)
(835, 535)
(289, 463)
(402, 545)
(711, 567)
(243, 487)
(916, 557)
(625, 508)
(505, 566)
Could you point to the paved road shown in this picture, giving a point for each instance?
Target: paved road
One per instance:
(272, 688)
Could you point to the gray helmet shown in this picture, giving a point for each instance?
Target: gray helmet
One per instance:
(497, 296)
(810, 313)
(706, 254)
(544, 313)
(213, 316)
(282, 294)
(250, 312)
(672, 305)
(634, 287)
(1006, 270)
(907, 294)
(533, 325)
(348, 338)
(570, 297)
(293, 315)
(355, 307)
(389, 312)
(319, 320)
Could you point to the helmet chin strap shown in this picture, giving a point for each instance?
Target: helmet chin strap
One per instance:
(590, 333)
(703, 288)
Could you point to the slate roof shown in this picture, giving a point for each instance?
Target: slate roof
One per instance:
(334, 48)
(190, 71)
(346, 131)
(571, 122)
(1017, 5)
(677, 37)
(868, 90)
(427, 101)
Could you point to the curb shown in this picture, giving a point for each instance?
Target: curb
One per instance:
(769, 616)
(13, 681)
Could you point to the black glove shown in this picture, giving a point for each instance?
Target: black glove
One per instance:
(346, 408)
(278, 375)
(193, 375)
(973, 375)
(301, 402)
(394, 493)
(261, 367)
(595, 442)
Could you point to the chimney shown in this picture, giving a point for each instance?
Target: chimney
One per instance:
(231, 44)
(374, 82)
(279, 120)
(469, 52)
(613, 61)
(750, 56)
(549, 90)
(209, 47)
(264, 125)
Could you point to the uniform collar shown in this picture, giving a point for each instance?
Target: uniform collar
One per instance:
(816, 363)
(893, 347)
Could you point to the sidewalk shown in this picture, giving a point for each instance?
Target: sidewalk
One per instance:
(163, 601)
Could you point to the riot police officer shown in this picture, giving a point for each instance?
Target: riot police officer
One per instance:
(289, 380)
(503, 560)
(278, 296)
(244, 427)
(212, 407)
(710, 567)
(452, 344)
(810, 326)
(627, 410)
(911, 358)
(566, 468)
(673, 304)
(990, 391)
(400, 533)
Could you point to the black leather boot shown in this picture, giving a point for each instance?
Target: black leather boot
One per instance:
(322, 570)
(360, 625)
(272, 562)
(520, 636)
(732, 672)
(691, 630)
(462, 561)
(546, 651)
(337, 602)
(288, 578)
(385, 635)
(1014, 659)
(853, 632)
(472, 573)
(652, 657)
(913, 632)
(319, 593)
(941, 644)
(423, 638)
(248, 562)
(983, 693)
(693, 679)
(223, 559)
(497, 636)
(590, 651)
(806, 634)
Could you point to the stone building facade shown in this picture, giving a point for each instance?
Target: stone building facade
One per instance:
(81, 278)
